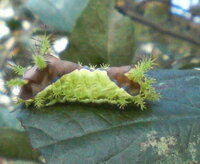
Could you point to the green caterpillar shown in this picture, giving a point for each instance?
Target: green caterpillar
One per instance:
(53, 81)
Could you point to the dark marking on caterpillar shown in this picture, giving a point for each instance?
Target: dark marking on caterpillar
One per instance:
(117, 74)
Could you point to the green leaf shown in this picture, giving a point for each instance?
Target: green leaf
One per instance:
(8, 119)
(165, 133)
(14, 141)
(15, 144)
(60, 14)
(102, 35)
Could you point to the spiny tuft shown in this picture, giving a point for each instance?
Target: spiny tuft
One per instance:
(16, 82)
(45, 45)
(39, 62)
(147, 91)
(19, 70)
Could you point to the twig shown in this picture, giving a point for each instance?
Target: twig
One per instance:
(126, 10)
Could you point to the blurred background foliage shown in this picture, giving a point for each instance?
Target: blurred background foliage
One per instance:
(115, 32)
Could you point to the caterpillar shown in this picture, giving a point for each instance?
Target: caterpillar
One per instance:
(52, 80)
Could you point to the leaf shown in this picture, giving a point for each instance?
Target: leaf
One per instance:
(168, 132)
(60, 14)
(8, 119)
(15, 144)
(14, 141)
(102, 35)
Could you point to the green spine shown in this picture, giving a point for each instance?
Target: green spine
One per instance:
(19, 70)
(16, 82)
(39, 62)
(147, 91)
